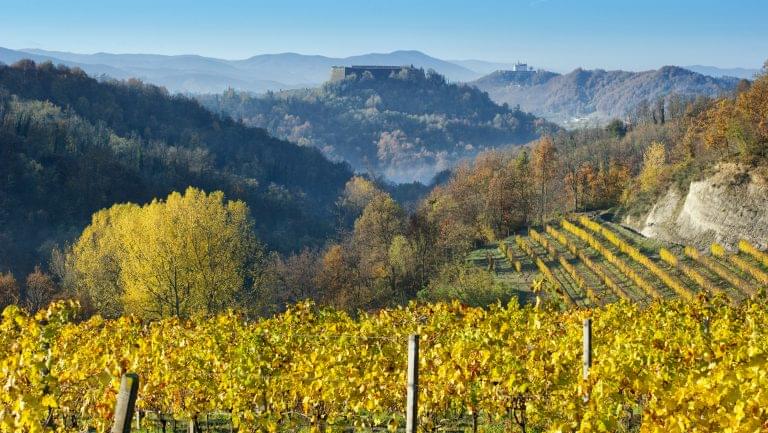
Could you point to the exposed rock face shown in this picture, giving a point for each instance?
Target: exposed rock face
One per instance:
(730, 205)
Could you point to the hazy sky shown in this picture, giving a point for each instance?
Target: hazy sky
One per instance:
(556, 34)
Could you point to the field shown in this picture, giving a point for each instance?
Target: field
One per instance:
(585, 262)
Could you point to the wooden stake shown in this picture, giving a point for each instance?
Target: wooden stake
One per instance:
(412, 409)
(587, 356)
(126, 403)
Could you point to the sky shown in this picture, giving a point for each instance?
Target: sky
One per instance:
(554, 34)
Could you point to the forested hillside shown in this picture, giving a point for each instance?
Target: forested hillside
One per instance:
(72, 145)
(598, 95)
(407, 127)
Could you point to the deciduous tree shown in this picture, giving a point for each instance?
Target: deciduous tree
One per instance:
(190, 253)
(654, 160)
(9, 290)
(544, 164)
(39, 290)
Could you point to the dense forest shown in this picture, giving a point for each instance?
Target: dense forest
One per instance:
(407, 127)
(64, 163)
(71, 145)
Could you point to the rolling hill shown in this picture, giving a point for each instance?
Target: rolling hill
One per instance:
(596, 95)
(713, 71)
(406, 128)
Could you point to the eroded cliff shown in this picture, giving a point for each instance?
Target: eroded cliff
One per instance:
(729, 205)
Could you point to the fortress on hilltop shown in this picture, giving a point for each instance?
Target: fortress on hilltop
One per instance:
(379, 72)
(521, 67)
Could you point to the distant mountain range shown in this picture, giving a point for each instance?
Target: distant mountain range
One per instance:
(197, 74)
(595, 96)
(576, 97)
(483, 67)
(712, 71)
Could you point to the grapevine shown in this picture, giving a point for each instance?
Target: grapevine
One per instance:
(593, 266)
(748, 248)
(673, 283)
(684, 366)
(612, 258)
(720, 270)
(545, 271)
(693, 274)
(746, 267)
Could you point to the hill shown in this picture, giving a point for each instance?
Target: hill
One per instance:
(407, 127)
(713, 71)
(198, 74)
(72, 145)
(596, 95)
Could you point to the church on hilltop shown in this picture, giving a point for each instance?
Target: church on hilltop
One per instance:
(339, 73)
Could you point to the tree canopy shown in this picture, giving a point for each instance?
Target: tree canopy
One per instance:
(187, 254)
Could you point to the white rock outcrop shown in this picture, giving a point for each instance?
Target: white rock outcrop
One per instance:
(731, 204)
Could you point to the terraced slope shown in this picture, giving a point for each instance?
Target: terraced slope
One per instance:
(585, 262)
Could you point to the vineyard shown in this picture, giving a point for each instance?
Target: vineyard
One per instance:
(587, 263)
(671, 366)
(680, 344)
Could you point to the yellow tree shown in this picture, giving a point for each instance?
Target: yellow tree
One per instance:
(95, 259)
(654, 159)
(358, 192)
(188, 254)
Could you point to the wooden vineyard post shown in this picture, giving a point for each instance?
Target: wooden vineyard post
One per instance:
(587, 356)
(587, 352)
(126, 402)
(412, 409)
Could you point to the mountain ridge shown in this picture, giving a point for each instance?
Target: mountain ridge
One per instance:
(596, 95)
(258, 73)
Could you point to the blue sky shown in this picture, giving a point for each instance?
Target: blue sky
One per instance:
(555, 34)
